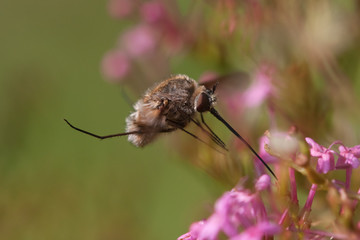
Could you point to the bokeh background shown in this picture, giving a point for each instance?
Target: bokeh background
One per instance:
(56, 183)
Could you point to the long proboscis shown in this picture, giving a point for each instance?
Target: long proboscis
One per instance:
(217, 115)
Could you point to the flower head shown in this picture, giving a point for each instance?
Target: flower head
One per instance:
(194, 231)
(138, 41)
(261, 88)
(263, 182)
(264, 140)
(349, 156)
(115, 65)
(257, 92)
(325, 156)
(258, 231)
(237, 210)
(153, 11)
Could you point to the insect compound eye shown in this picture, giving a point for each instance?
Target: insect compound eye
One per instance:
(202, 102)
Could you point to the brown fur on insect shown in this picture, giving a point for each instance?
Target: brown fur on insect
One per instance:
(166, 107)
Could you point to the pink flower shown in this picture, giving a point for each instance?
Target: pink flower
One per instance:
(138, 41)
(325, 156)
(120, 8)
(349, 156)
(256, 94)
(264, 140)
(258, 231)
(234, 210)
(263, 183)
(115, 66)
(186, 236)
(195, 228)
(156, 15)
(153, 12)
(260, 89)
(212, 228)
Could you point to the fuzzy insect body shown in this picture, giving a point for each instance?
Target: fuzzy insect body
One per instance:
(168, 106)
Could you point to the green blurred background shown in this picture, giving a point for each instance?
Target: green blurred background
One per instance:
(56, 183)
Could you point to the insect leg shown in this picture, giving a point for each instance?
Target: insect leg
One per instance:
(191, 134)
(111, 135)
(213, 137)
(212, 132)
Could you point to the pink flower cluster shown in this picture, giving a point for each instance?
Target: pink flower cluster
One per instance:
(258, 92)
(242, 214)
(155, 29)
(348, 157)
(239, 214)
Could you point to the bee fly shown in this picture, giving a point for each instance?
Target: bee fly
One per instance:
(172, 105)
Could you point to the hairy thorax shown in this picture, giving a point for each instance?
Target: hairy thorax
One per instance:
(164, 108)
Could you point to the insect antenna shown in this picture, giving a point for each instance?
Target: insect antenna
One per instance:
(217, 115)
(101, 137)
